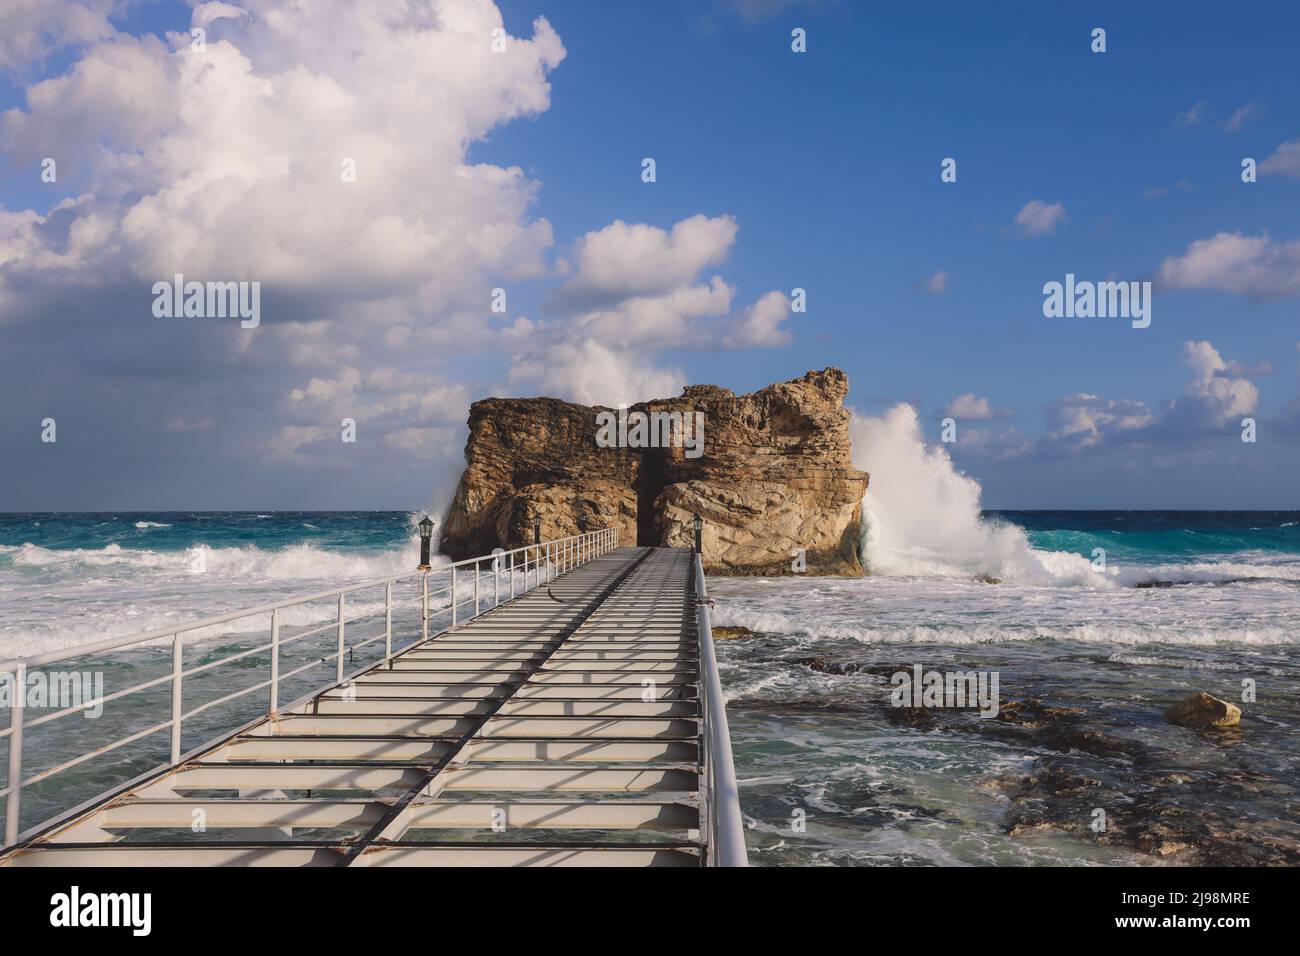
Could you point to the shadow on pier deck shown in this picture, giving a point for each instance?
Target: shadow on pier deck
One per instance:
(565, 727)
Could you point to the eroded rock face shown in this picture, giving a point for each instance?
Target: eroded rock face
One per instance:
(1203, 710)
(774, 477)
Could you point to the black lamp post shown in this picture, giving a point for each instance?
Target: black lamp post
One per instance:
(699, 526)
(582, 524)
(426, 533)
(537, 529)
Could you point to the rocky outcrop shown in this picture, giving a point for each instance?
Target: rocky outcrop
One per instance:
(773, 476)
(732, 633)
(1203, 710)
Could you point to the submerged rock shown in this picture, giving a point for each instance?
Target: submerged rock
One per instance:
(918, 718)
(1148, 815)
(826, 665)
(1034, 713)
(1203, 710)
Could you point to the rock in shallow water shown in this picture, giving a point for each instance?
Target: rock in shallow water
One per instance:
(1203, 710)
(733, 633)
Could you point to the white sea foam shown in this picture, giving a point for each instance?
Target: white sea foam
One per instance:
(57, 598)
(921, 517)
(299, 562)
(142, 525)
(950, 610)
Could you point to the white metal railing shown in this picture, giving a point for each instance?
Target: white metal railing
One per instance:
(720, 813)
(524, 568)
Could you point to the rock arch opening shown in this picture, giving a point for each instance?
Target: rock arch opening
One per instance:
(651, 479)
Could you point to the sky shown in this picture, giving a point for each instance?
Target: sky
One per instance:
(443, 201)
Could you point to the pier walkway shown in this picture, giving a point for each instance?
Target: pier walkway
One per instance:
(579, 723)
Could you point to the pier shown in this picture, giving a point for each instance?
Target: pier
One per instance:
(569, 715)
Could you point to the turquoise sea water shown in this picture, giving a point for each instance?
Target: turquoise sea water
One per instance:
(1188, 601)
(179, 531)
(1156, 535)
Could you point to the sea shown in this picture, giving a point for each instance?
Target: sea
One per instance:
(1094, 623)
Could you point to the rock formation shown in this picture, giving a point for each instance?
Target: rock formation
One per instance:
(774, 477)
(1203, 710)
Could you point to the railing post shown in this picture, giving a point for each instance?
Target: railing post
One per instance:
(177, 672)
(342, 612)
(726, 836)
(512, 575)
(496, 581)
(476, 599)
(453, 596)
(13, 804)
(275, 662)
(388, 619)
(424, 609)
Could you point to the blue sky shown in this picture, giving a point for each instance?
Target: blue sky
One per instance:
(826, 162)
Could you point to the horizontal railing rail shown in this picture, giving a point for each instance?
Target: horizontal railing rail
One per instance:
(720, 815)
(521, 569)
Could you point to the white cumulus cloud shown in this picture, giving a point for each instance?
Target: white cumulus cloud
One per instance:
(1038, 218)
(31, 30)
(1285, 160)
(760, 324)
(1234, 262)
(970, 407)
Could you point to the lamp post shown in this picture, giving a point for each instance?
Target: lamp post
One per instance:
(426, 533)
(537, 529)
(699, 527)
